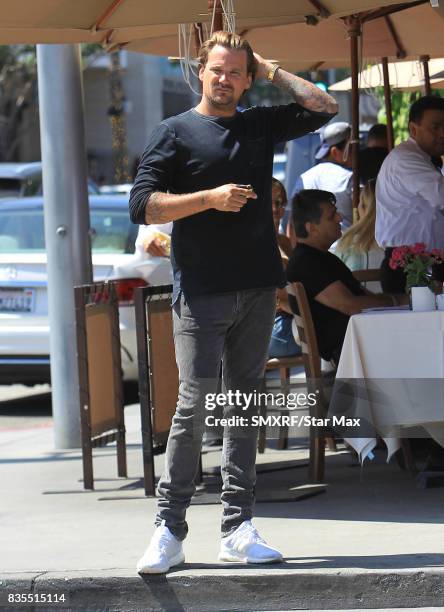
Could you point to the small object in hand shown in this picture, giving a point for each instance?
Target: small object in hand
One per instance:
(249, 188)
(164, 240)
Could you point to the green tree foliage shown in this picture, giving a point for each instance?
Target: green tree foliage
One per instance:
(401, 102)
(90, 52)
(18, 90)
(116, 113)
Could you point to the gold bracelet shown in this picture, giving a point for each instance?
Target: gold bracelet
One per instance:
(271, 73)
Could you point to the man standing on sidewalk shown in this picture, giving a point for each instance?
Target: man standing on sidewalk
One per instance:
(209, 171)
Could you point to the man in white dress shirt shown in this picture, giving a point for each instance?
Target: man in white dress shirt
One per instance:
(410, 190)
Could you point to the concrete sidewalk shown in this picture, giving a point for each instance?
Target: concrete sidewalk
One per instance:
(373, 540)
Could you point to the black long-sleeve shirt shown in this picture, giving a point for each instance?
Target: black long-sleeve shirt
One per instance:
(214, 251)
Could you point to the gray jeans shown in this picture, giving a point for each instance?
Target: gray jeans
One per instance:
(234, 328)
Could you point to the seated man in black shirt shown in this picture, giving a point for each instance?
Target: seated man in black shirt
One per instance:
(332, 291)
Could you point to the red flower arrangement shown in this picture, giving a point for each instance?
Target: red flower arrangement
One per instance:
(416, 263)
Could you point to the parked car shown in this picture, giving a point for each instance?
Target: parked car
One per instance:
(117, 189)
(24, 325)
(25, 179)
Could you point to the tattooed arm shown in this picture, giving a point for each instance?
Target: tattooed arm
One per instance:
(303, 92)
(164, 207)
(150, 204)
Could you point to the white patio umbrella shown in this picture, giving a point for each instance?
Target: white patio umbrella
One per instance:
(298, 47)
(402, 75)
(120, 21)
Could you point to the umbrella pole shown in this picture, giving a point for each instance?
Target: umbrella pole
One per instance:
(67, 224)
(388, 103)
(218, 15)
(354, 31)
(425, 65)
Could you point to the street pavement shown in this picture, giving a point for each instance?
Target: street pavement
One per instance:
(373, 539)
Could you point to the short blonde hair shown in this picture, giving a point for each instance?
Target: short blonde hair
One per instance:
(229, 41)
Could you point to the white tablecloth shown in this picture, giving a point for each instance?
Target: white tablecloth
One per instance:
(392, 369)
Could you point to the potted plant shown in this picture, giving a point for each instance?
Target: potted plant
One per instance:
(417, 265)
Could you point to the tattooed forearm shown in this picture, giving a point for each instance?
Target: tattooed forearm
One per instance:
(304, 93)
(164, 207)
(156, 209)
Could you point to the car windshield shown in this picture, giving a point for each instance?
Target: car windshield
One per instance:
(23, 231)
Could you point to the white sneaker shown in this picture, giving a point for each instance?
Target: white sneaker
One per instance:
(163, 552)
(246, 546)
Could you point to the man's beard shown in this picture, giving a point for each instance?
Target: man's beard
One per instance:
(217, 102)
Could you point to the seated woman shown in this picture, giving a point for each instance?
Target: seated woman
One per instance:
(358, 248)
(282, 342)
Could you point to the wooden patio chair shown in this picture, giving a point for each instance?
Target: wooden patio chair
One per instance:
(313, 372)
(284, 365)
